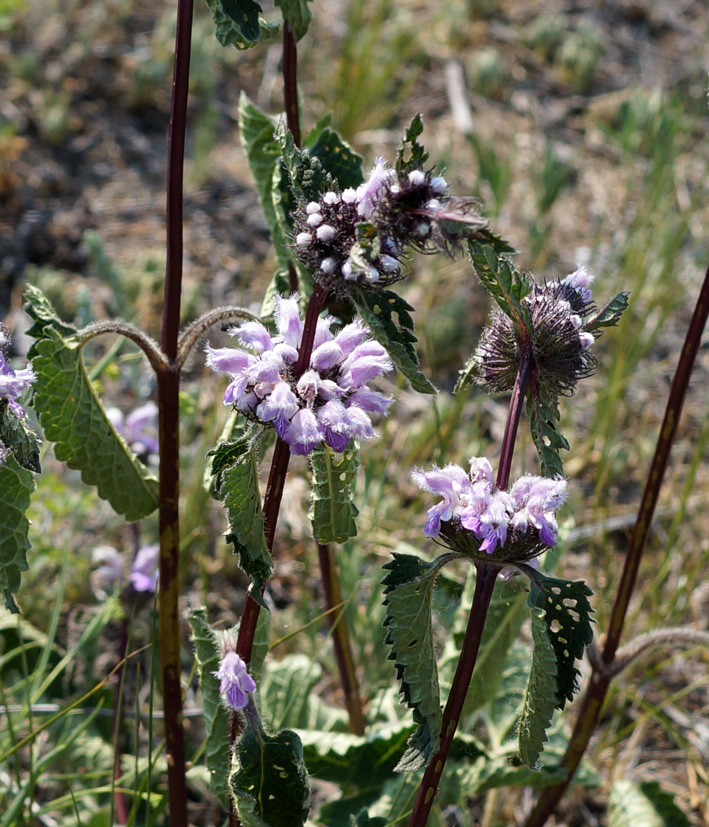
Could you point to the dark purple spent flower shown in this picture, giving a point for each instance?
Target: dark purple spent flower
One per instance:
(329, 403)
(480, 521)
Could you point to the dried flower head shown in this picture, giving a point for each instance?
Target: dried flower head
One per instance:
(360, 235)
(552, 329)
(330, 402)
(474, 517)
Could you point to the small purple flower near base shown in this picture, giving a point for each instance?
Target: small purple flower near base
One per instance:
(236, 683)
(13, 383)
(138, 429)
(474, 517)
(144, 571)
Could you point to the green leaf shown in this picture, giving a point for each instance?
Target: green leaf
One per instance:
(264, 157)
(567, 614)
(362, 819)
(407, 597)
(16, 487)
(411, 154)
(539, 697)
(307, 177)
(543, 414)
(609, 315)
(216, 716)
(235, 472)
(237, 22)
(354, 761)
(74, 419)
(377, 309)
(333, 513)
(630, 805)
(270, 783)
(338, 158)
(17, 436)
(298, 15)
(500, 277)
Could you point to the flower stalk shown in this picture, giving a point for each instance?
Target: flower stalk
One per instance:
(597, 689)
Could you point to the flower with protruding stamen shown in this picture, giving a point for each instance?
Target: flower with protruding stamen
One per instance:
(477, 519)
(330, 402)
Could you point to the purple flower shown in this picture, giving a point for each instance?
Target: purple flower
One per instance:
(517, 523)
(144, 571)
(329, 403)
(139, 428)
(581, 281)
(13, 383)
(236, 683)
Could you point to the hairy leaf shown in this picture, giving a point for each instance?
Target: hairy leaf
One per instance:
(500, 277)
(215, 716)
(378, 309)
(16, 487)
(257, 138)
(567, 614)
(238, 22)
(407, 597)
(543, 414)
(338, 158)
(74, 419)
(270, 782)
(298, 15)
(609, 315)
(17, 435)
(333, 513)
(539, 697)
(411, 154)
(307, 176)
(647, 804)
(235, 472)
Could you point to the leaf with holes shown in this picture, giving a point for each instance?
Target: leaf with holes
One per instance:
(538, 705)
(338, 158)
(543, 415)
(407, 597)
(270, 782)
(16, 487)
(74, 419)
(235, 473)
(333, 513)
(567, 614)
(215, 714)
(378, 309)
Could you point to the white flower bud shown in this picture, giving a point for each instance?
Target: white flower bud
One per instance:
(312, 207)
(327, 265)
(417, 177)
(349, 196)
(347, 271)
(438, 184)
(372, 275)
(314, 219)
(325, 232)
(303, 239)
(388, 263)
(331, 198)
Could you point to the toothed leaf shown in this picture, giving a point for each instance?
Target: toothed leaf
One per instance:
(411, 154)
(539, 697)
(333, 513)
(378, 310)
(567, 614)
(18, 437)
(500, 277)
(338, 158)
(16, 487)
(407, 597)
(543, 415)
(609, 315)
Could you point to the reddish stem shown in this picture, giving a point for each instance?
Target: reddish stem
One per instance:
(514, 415)
(484, 585)
(592, 702)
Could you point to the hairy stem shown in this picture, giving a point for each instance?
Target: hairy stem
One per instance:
(290, 95)
(484, 585)
(168, 382)
(341, 638)
(194, 332)
(597, 689)
(145, 343)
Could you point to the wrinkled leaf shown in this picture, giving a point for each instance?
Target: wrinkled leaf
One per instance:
(567, 614)
(543, 415)
(411, 154)
(333, 513)
(17, 436)
(16, 487)
(609, 315)
(74, 419)
(270, 782)
(500, 277)
(378, 310)
(235, 472)
(407, 597)
(540, 695)
(238, 22)
(338, 158)
(215, 714)
(307, 176)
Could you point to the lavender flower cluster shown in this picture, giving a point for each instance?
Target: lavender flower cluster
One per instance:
(360, 235)
(109, 576)
(330, 402)
(473, 516)
(557, 313)
(13, 383)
